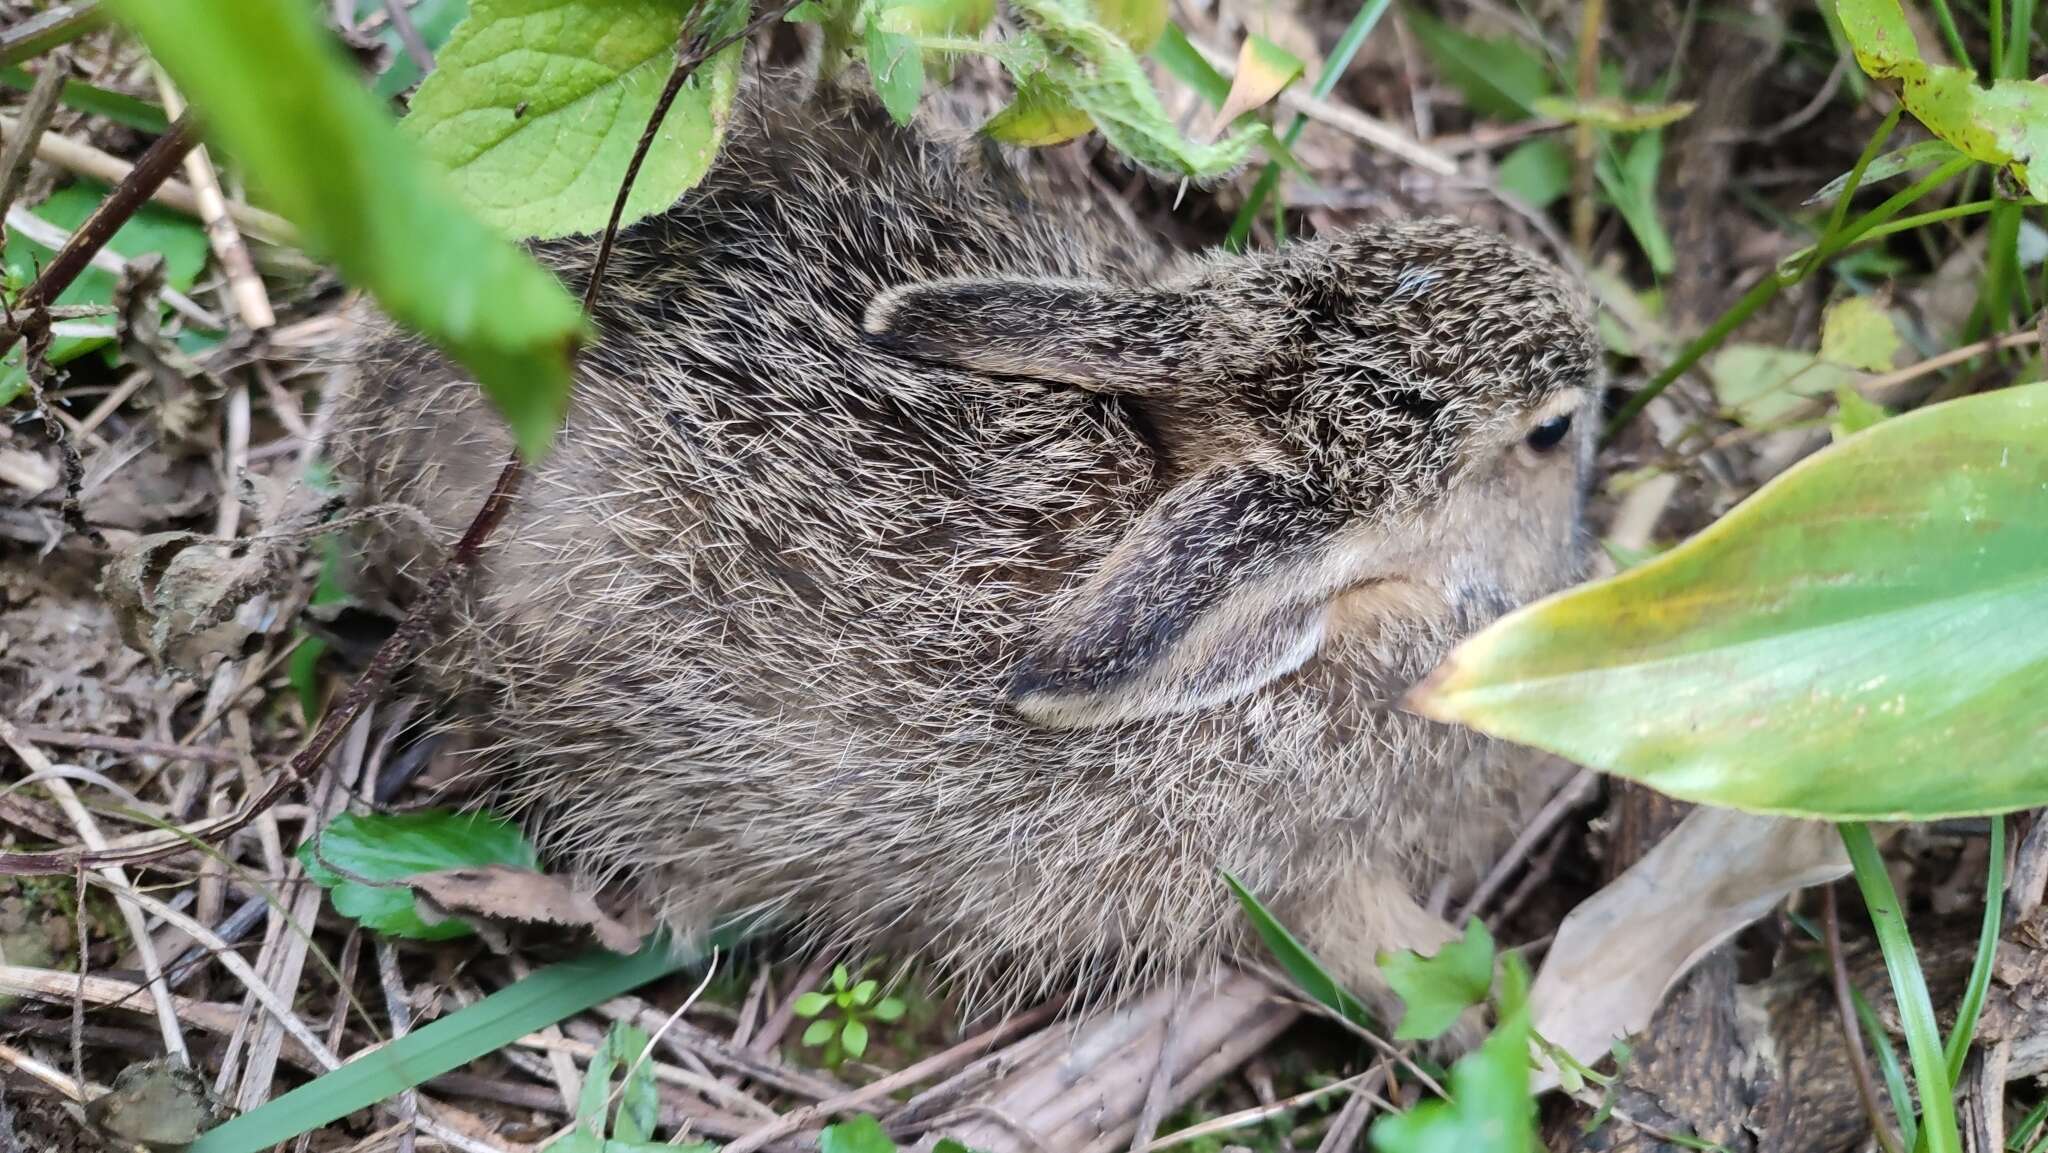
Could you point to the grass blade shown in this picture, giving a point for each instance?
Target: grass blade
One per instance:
(1987, 948)
(1888, 1066)
(1301, 965)
(461, 1037)
(1909, 985)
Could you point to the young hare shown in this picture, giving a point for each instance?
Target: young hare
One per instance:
(920, 563)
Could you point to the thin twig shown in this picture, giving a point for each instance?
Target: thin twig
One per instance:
(35, 118)
(1243, 1117)
(107, 260)
(63, 152)
(1585, 142)
(1350, 121)
(1576, 792)
(1852, 1032)
(245, 288)
(409, 35)
(129, 746)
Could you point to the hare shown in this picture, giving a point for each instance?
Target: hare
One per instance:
(946, 572)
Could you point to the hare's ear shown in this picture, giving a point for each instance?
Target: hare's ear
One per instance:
(1219, 588)
(1099, 336)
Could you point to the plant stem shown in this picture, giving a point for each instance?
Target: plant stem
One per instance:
(1987, 948)
(1949, 33)
(2021, 39)
(1870, 150)
(1361, 26)
(1758, 295)
(1997, 21)
(1909, 986)
(1593, 15)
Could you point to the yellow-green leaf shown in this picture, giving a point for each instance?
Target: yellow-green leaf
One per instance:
(1866, 638)
(1612, 114)
(1857, 332)
(1263, 70)
(2005, 123)
(1137, 23)
(937, 17)
(1759, 385)
(1038, 117)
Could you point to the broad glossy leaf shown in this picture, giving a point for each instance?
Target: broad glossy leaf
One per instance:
(1864, 638)
(897, 69)
(389, 847)
(2005, 123)
(284, 105)
(535, 106)
(1434, 990)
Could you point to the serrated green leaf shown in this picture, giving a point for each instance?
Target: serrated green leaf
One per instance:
(897, 69)
(1925, 154)
(809, 1004)
(2005, 123)
(535, 106)
(854, 1037)
(391, 847)
(179, 239)
(1865, 638)
(1857, 332)
(820, 1032)
(1039, 116)
(1500, 77)
(281, 102)
(1099, 75)
(1434, 990)
(858, 1135)
(1294, 957)
(1537, 171)
(1490, 1106)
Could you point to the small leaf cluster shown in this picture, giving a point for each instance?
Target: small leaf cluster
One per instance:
(864, 1134)
(364, 860)
(855, 1004)
(598, 1129)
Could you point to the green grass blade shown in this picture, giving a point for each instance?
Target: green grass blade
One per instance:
(1361, 26)
(1888, 1067)
(1187, 65)
(118, 107)
(1987, 948)
(538, 1001)
(2029, 1123)
(1909, 985)
(1300, 964)
(1954, 36)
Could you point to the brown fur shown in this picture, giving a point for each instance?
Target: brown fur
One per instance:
(940, 570)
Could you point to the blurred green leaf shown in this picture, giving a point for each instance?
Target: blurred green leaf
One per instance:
(1760, 386)
(1434, 990)
(535, 106)
(1857, 332)
(282, 102)
(1855, 412)
(937, 17)
(1138, 23)
(1491, 1109)
(1537, 171)
(179, 239)
(820, 1031)
(897, 68)
(861, 1134)
(1911, 158)
(2005, 123)
(1500, 76)
(1300, 964)
(1864, 638)
(854, 1037)
(118, 107)
(389, 847)
(1187, 65)
(888, 1009)
(809, 1004)
(1630, 181)
(1037, 117)
(1610, 114)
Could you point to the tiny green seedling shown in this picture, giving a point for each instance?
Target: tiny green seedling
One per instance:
(845, 1032)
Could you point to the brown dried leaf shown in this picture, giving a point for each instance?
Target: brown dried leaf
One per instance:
(180, 598)
(503, 893)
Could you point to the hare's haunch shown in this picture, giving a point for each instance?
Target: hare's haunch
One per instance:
(945, 572)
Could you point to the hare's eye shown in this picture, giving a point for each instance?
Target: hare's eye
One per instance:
(1547, 435)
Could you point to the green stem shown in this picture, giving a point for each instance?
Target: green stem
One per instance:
(1361, 26)
(1870, 151)
(1987, 947)
(1949, 33)
(1909, 987)
(2021, 39)
(1758, 295)
(1997, 22)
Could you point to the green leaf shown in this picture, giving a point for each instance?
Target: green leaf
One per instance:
(840, 977)
(949, 1145)
(391, 847)
(888, 1009)
(1537, 171)
(178, 238)
(535, 106)
(1490, 1109)
(820, 1032)
(1099, 75)
(116, 106)
(1300, 964)
(808, 12)
(1759, 385)
(1179, 57)
(1912, 158)
(1855, 412)
(937, 17)
(897, 68)
(855, 1037)
(281, 100)
(1500, 77)
(1610, 114)
(1264, 69)
(1037, 117)
(865, 991)
(1630, 183)
(1864, 638)
(2005, 123)
(859, 1135)
(548, 996)
(809, 1004)
(303, 670)
(1435, 990)
(1857, 332)
(1138, 23)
